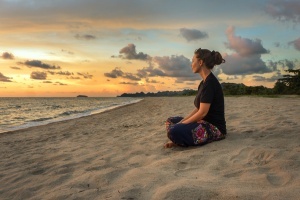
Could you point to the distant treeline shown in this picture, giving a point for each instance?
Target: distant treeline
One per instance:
(161, 94)
(289, 84)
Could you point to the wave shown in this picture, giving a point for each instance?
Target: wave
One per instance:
(66, 115)
(71, 112)
(41, 119)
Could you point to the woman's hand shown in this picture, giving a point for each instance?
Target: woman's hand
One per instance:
(180, 122)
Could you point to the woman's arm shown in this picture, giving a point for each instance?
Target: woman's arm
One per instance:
(191, 114)
(199, 114)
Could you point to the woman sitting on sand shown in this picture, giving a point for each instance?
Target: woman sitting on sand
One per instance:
(206, 123)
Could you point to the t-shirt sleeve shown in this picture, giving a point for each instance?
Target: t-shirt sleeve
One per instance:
(207, 93)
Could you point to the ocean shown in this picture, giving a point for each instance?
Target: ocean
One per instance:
(24, 112)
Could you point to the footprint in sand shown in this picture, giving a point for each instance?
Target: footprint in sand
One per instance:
(190, 173)
(64, 170)
(95, 168)
(131, 194)
(253, 156)
(38, 171)
(258, 161)
(278, 179)
(181, 165)
(171, 192)
(234, 174)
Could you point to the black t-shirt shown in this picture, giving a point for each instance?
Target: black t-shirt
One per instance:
(211, 92)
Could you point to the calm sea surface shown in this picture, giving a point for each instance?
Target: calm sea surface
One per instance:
(19, 113)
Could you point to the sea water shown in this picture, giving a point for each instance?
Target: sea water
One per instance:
(20, 113)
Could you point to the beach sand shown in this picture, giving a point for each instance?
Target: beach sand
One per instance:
(119, 154)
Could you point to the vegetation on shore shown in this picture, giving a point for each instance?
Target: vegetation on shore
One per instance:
(288, 85)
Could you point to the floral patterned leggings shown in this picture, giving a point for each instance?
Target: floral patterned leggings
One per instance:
(191, 134)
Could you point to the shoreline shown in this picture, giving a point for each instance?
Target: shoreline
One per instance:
(119, 154)
(55, 120)
(44, 123)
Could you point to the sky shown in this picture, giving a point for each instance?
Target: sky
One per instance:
(104, 48)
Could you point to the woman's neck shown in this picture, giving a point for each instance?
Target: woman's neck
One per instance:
(204, 73)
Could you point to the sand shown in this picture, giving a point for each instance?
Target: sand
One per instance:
(119, 154)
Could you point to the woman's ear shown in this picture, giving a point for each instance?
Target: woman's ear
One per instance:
(200, 62)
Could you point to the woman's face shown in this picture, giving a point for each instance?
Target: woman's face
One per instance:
(195, 64)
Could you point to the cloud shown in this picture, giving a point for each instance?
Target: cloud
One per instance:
(68, 52)
(39, 64)
(130, 76)
(272, 65)
(289, 64)
(239, 65)
(66, 73)
(246, 61)
(129, 53)
(264, 79)
(16, 68)
(296, 44)
(74, 78)
(273, 78)
(115, 73)
(85, 37)
(243, 46)
(176, 66)
(284, 10)
(141, 73)
(153, 81)
(47, 81)
(38, 75)
(179, 66)
(192, 34)
(113, 56)
(4, 78)
(85, 75)
(7, 56)
(128, 83)
(59, 83)
(282, 64)
(150, 72)
(232, 77)
(167, 66)
(95, 14)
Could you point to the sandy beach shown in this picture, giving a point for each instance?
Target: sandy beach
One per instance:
(119, 154)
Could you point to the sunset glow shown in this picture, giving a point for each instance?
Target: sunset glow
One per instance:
(109, 47)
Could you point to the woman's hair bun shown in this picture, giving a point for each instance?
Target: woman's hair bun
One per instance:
(210, 58)
(218, 58)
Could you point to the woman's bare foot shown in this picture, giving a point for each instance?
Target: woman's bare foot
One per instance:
(169, 145)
